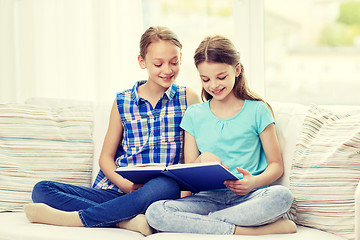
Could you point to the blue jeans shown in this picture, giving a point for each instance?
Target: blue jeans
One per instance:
(101, 208)
(218, 212)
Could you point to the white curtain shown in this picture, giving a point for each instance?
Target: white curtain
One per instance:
(71, 49)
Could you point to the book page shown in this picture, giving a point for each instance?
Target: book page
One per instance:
(187, 165)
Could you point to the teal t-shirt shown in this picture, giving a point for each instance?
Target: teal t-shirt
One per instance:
(234, 140)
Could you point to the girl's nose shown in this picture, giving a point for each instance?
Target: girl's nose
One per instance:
(167, 69)
(214, 84)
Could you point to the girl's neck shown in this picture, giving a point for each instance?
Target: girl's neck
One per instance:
(151, 92)
(227, 107)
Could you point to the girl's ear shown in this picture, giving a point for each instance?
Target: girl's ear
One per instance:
(141, 61)
(237, 70)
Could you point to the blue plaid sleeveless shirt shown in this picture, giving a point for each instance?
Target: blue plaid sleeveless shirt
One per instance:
(150, 135)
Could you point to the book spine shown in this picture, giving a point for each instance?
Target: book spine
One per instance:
(184, 186)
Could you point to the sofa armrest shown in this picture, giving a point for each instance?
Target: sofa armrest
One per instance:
(357, 212)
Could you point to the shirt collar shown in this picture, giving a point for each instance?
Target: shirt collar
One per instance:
(134, 94)
(170, 92)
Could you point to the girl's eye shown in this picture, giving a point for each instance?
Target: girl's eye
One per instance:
(157, 65)
(222, 78)
(205, 80)
(175, 63)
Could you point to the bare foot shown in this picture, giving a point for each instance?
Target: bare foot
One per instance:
(42, 213)
(281, 226)
(137, 224)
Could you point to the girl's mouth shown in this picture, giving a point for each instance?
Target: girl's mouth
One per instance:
(167, 79)
(218, 91)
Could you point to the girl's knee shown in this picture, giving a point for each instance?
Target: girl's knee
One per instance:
(154, 214)
(168, 187)
(39, 190)
(283, 194)
(167, 182)
(154, 208)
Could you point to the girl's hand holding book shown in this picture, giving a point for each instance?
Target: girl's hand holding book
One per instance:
(243, 186)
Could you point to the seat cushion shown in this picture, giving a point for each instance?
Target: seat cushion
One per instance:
(14, 225)
(303, 233)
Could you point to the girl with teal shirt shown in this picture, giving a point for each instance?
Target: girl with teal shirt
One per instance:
(235, 127)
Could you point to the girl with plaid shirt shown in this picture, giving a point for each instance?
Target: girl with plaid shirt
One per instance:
(144, 127)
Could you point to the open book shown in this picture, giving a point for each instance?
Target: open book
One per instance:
(193, 177)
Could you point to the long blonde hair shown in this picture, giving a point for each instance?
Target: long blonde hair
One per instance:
(218, 49)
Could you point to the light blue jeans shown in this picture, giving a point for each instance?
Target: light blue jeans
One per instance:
(218, 212)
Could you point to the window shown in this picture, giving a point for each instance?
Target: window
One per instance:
(293, 51)
(312, 51)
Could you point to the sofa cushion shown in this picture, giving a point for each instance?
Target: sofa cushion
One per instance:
(301, 234)
(288, 123)
(326, 171)
(16, 226)
(43, 142)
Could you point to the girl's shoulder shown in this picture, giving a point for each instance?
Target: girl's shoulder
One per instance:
(196, 113)
(198, 107)
(125, 98)
(259, 110)
(256, 105)
(179, 89)
(124, 93)
(131, 92)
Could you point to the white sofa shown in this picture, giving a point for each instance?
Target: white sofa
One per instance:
(289, 118)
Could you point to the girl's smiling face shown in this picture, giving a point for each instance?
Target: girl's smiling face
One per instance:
(218, 79)
(162, 61)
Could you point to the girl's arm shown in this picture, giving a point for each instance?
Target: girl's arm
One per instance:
(110, 145)
(272, 172)
(191, 151)
(191, 98)
(192, 154)
(272, 151)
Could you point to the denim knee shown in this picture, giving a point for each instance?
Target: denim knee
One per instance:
(154, 214)
(283, 195)
(39, 190)
(168, 187)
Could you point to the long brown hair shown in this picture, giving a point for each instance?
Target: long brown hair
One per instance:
(218, 49)
(154, 34)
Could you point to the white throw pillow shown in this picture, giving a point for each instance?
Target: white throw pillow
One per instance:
(43, 143)
(326, 171)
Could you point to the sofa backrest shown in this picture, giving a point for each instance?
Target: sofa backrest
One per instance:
(101, 122)
(289, 118)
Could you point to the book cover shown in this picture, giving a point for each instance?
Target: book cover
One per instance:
(194, 177)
